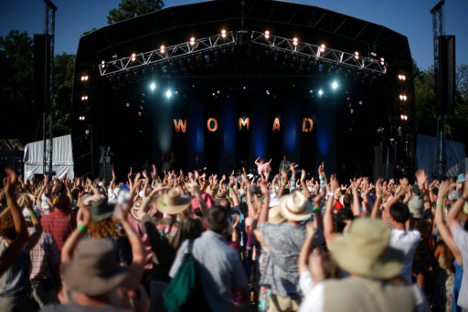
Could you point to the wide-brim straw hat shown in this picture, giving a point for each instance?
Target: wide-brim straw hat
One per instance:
(23, 197)
(94, 269)
(275, 216)
(365, 250)
(295, 207)
(172, 202)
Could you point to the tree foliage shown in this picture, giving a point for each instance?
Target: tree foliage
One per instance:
(131, 8)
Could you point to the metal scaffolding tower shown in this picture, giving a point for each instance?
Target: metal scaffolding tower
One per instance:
(47, 121)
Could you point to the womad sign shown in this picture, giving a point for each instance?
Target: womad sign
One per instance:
(180, 125)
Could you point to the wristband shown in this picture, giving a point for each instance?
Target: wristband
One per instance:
(383, 196)
(440, 206)
(317, 209)
(82, 228)
(149, 198)
(227, 197)
(231, 188)
(32, 214)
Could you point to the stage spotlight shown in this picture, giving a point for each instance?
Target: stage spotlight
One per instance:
(84, 97)
(382, 61)
(267, 92)
(403, 97)
(356, 55)
(334, 85)
(162, 49)
(152, 86)
(133, 57)
(168, 94)
(320, 92)
(267, 34)
(84, 78)
(404, 117)
(402, 77)
(103, 64)
(82, 118)
(192, 40)
(295, 41)
(223, 33)
(322, 48)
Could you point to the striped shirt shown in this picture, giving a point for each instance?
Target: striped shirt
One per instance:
(58, 225)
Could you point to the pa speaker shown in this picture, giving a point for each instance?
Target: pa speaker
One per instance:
(446, 101)
(41, 72)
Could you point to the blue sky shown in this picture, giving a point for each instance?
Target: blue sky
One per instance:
(409, 17)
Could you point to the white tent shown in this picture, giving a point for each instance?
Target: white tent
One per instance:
(62, 158)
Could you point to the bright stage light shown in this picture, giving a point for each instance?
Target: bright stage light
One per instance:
(168, 94)
(322, 48)
(403, 97)
(133, 57)
(295, 41)
(334, 85)
(192, 40)
(82, 118)
(404, 117)
(162, 49)
(223, 33)
(267, 92)
(267, 34)
(320, 92)
(152, 86)
(382, 61)
(103, 64)
(402, 77)
(356, 55)
(84, 78)
(84, 97)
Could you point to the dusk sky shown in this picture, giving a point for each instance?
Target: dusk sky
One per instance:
(408, 17)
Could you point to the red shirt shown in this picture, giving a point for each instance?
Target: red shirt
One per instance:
(58, 225)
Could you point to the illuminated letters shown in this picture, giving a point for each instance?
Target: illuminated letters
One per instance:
(307, 125)
(276, 125)
(212, 125)
(244, 122)
(178, 124)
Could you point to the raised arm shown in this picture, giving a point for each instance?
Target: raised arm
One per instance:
(452, 218)
(266, 199)
(11, 253)
(302, 262)
(439, 222)
(356, 202)
(305, 189)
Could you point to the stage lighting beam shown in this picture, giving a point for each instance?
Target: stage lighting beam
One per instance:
(152, 86)
(168, 93)
(334, 85)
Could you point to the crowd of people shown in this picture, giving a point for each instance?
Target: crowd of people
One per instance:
(192, 241)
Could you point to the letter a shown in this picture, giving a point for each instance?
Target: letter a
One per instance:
(276, 125)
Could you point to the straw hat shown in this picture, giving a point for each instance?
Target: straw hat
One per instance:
(365, 250)
(172, 202)
(416, 207)
(275, 216)
(295, 207)
(94, 269)
(23, 198)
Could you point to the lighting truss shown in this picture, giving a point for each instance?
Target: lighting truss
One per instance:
(273, 42)
(167, 53)
(314, 51)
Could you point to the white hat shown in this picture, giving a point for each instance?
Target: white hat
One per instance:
(295, 207)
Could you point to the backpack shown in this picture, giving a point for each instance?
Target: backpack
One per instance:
(185, 291)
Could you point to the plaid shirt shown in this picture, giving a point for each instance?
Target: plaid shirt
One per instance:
(58, 225)
(44, 256)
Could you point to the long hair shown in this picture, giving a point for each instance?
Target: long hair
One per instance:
(105, 228)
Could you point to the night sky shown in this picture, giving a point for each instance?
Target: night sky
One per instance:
(408, 17)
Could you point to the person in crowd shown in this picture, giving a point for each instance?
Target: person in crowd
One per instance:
(366, 254)
(219, 265)
(45, 258)
(284, 164)
(15, 245)
(263, 167)
(460, 237)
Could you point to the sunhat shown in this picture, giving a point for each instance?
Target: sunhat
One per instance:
(295, 207)
(94, 269)
(172, 202)
(365, 250)
(416, 207)
(275, 216)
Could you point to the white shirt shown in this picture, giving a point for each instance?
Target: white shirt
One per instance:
(406, 241)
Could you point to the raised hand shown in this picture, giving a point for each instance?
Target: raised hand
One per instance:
(421, 178)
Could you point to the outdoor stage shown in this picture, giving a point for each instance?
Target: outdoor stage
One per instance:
(218, 83)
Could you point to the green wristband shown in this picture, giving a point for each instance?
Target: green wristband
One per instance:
(32, 214)
(317, 209)
(82, 228)
(440, 206)
(149, 198)
(227, 197)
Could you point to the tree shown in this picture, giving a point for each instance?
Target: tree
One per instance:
(131, 8)
(17, 118)
(63, 86)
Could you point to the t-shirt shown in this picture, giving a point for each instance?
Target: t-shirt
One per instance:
(73, 307)
(15, 281)
(219, 267)
(166, 236)
(406, 241)
(58, 225)
(285, 242)
(460, 236)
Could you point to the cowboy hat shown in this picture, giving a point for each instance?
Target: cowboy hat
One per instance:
(275, 216)
(365, 250)
(172, 202)
(295, 207)
(94, 269)
(101, 210)
(23, 197)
